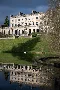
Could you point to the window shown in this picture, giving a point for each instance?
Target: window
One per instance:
(36, 17)
(19, 32)
(32, 80)
(36, 23)
(12, 73)
(15, 20)
(29, 68)
(22, 22)
(29, 31)
(36, 74)
(29, 23)
(12, 25)
(33, 30)
(33, 23)
(25, 79)
(25, 18)
(18, 19)
(40, 22)
(12, 20)
(26, 67)
(15, 73)
(18, 78)
(15, 24)
(22, 32)
(18, 25)
(37, 30)
(15, 32)
(9, 32)
(22, 79)
(25, 23)
(29, 75)
(36, 80)
(21, 67)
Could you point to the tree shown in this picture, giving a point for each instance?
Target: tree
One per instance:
(6, 74)
(6, 23)
(54, 22)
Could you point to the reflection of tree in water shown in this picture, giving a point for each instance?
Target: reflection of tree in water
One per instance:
(6, 74)
(56, 78)
(57, 83)
(21, 85)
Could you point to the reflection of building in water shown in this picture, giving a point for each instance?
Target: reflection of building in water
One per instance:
(6, 66)
(30, 76)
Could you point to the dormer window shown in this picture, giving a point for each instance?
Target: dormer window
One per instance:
(11, 15)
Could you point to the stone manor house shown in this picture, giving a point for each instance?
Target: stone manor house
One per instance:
(25, 24)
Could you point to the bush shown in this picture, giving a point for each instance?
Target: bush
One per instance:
(5, 35)
(34, 34)
(2, 35)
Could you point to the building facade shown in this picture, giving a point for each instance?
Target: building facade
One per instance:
(24, 24)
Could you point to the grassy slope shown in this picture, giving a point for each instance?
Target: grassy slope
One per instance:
(41, 49)
(8, 44)
(8, 58)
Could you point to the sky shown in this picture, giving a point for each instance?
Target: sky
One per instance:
(13, 7)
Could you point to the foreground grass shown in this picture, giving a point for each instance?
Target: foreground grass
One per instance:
(40, 46)
(35, 49)
(6, 45)
(8, 58)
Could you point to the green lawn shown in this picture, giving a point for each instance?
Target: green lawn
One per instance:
(35, 47)
(41, 45)
(8, 44)
(9, 58)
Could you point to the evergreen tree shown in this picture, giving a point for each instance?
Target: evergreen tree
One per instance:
(6, 23)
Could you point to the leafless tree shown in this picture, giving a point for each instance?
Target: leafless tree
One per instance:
(54, 22)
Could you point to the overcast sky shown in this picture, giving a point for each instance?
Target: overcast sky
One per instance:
(9, 7)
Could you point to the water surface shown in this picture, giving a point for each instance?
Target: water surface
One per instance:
(48, 78)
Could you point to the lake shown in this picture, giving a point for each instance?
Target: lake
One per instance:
(30, 78)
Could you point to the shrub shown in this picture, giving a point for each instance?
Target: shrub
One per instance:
(34, 34)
